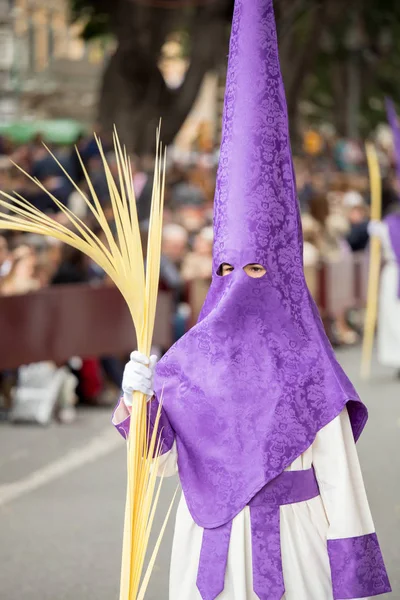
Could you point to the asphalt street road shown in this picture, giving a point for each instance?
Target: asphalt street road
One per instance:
(62, 496)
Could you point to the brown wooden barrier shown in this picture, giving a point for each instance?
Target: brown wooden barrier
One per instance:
(81, 320)
(59, 322)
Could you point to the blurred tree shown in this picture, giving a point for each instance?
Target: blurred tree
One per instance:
(357, 65)
(300, 29)
(338, 58)
(134, 94)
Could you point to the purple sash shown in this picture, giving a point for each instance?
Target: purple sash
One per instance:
(288, 488)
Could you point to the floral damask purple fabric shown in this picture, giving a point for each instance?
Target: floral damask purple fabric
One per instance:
(268, 583)
(123, 426)
(393, 224)
(357, 568)
(164, 428)
(165, 431)
(213, 561)
(393, 220)
(249, 387)
(394, 124)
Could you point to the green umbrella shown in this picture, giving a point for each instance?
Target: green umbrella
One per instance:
(18, 132)
(58, 131)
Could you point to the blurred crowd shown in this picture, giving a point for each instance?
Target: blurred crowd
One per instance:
(333, 191)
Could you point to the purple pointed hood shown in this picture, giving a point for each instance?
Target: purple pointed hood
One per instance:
(394, 125)
(256, 213)
(249, 387)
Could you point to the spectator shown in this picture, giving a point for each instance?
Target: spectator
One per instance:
(305, 190)
(390, 199)
(312, 241)
(187, 193)
(192, 218)
(5, 262)
(197, 270)
(76, 170)
(175, 243)
(357, 214)
(334, 243)
(39, 198)
(311, 252)
(21, 278)
(198, 263)
(318, 203)
(74, 267)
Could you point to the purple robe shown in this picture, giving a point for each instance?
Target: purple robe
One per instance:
(246, 391)
(393, 225)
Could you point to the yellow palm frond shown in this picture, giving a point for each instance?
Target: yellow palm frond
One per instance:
(371, 312)
(121, 257)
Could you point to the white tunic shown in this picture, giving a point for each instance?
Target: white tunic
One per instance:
(389, 304)
(341, 511)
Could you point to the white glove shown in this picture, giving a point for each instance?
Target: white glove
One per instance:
(138, 376)
(376, 229)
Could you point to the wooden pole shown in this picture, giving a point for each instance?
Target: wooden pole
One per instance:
(374, 265)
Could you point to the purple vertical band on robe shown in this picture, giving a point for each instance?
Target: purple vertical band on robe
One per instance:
(268, 581)
(164, 427)
(393, 225)
(289, 488)
(213, 561)
(393, 221)
(357, 568)
(394, 125)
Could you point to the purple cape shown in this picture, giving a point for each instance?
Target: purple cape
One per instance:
(248, 388)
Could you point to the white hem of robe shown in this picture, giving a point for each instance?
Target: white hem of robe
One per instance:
(341, 511)
(389, 305)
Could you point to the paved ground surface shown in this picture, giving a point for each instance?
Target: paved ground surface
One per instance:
(62, 494)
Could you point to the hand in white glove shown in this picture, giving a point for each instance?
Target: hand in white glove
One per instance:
(375, 228)
(138, 376)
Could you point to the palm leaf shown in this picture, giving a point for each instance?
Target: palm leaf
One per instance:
(121, 257)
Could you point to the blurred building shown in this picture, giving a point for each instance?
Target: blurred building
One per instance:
(47, 71)
(54, 73)
(7, 102)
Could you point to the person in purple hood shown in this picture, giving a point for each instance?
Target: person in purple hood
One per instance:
(258, 417)
(388, 230)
